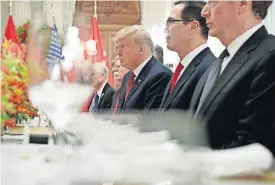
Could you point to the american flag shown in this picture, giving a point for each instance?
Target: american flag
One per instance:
(55, 51)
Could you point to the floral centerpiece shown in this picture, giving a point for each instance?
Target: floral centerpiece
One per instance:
(15, 105)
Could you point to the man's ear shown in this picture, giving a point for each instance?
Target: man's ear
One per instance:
(244, 5)
(194, 27)
(141, 49)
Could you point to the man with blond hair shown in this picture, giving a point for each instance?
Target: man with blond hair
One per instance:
(143, 86)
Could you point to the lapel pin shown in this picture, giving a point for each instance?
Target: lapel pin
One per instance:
(139, 80)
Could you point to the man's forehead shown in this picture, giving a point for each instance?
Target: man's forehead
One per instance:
(123, 40)
(176, 11)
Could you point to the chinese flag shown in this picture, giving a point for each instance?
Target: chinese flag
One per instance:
(101, 55)
(10, 32)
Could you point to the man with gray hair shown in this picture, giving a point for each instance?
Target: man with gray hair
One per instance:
(101, 99)
(236, 99)
(143, 86)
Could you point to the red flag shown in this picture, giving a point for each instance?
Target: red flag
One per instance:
(84, 36)
(101, 55)
(10, 33)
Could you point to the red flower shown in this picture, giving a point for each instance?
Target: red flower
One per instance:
(10, 122)
(23, 49)
(5, 70)
(15, 99)
(23, 36)
(25, 26)
(15, 49)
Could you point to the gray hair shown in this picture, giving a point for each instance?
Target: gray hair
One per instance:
(101, 68)
(140, 33)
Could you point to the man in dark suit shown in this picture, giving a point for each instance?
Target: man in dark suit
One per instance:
(143, 86)
(187, 35)
(237, 99)
(101, 100)
(119, 72)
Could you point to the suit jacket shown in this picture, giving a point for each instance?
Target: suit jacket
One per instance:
(147, 90)
(105, 100)
(114, 100)
(241, 106)
(181, 95)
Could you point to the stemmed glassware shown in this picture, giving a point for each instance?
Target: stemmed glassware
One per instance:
(58, 100)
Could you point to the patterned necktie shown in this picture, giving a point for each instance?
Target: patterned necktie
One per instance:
(95, 103)
(130, 84)
(212, 78)
(175, 76)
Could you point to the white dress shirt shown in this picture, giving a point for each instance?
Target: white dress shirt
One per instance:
(236, 44)
(190, 56)
(140, 67)
(99, 92)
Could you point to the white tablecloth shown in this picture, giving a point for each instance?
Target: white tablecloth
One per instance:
(25, 165)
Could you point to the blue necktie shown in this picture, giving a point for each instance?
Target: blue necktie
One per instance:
(95, 107)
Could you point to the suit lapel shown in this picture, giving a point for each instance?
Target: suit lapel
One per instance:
(122, 91)
(166, 94)
(181, 81)
(185, 76)
(198, 90)
(141, 77)
(236, 63)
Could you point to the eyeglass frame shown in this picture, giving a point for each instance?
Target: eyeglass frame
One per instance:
(171, 20)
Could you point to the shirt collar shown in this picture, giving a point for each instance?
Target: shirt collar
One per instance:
(190, 56)
(236, 44)
(99, 92)
(140, 67)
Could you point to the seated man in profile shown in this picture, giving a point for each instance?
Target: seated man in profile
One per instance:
(119, 73)
(101, 99)
(143, 86)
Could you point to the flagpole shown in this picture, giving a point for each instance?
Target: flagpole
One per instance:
(53, 13)
(95, 9)
(10, 5)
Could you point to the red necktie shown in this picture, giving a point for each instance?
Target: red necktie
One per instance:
(130, 84)
(128, 89)
(175, 76)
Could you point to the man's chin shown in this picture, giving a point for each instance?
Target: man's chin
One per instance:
(168, 46)
(212, 32)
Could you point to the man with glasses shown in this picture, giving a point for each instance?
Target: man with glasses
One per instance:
(187, 35)
(237, 99)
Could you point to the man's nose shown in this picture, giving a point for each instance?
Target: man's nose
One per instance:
(205, 12)
(119, 52)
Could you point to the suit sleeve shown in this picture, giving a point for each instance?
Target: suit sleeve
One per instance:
(257, 123)
(155, 90)
(109, 99)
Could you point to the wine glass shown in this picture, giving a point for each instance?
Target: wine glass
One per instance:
(59, 98)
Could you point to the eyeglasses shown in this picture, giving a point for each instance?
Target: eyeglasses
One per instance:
(171, 20)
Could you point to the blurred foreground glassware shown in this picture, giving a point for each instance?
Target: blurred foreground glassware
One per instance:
(58, 101)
